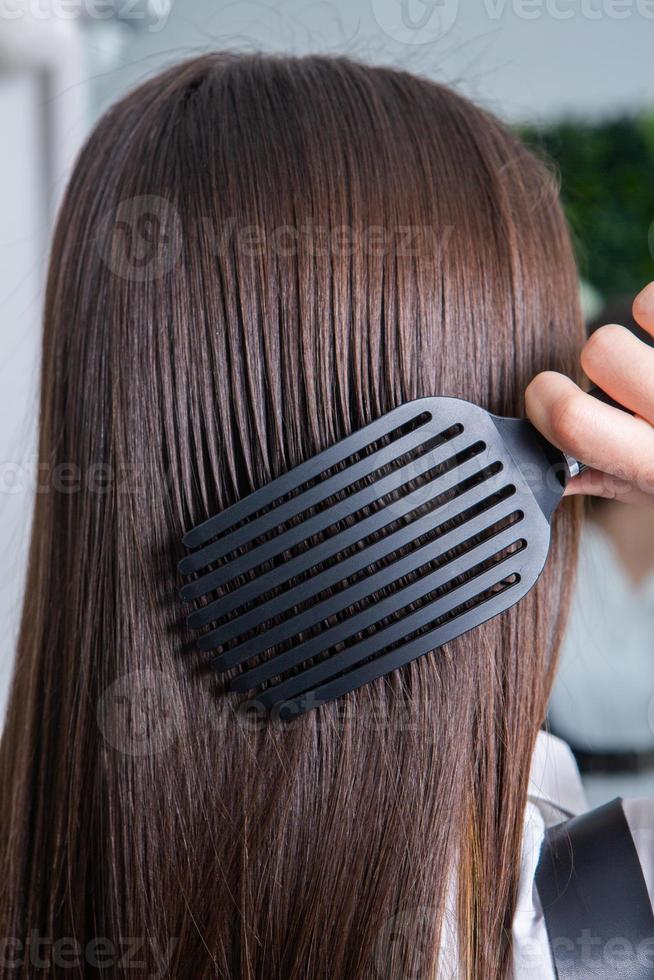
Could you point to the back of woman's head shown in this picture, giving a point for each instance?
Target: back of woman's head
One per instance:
(254, 258)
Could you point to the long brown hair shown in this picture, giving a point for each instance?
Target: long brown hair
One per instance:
(255, 257)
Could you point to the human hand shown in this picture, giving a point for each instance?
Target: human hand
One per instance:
(617, 447)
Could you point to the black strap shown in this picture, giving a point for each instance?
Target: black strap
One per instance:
(607, 761)
(597, 909)
(610, 763)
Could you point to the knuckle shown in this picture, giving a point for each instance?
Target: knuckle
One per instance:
(604, 344)
(645, 479)
(568, 422)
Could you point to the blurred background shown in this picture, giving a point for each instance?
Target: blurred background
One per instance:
(574, 76)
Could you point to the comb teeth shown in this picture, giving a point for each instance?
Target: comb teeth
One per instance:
(444, 576)
(420, 450)
(385, 551)
(460, 482)
(409, 433)
(378, 550)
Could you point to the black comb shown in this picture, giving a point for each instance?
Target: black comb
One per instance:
(450, 504)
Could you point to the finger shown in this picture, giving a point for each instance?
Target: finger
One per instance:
(643, 308)
(594, 483)
(602, 437)
(622, 366)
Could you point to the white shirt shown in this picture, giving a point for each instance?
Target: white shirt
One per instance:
(556, 793)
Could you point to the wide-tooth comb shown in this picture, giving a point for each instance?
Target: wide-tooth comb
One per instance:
(449, 504)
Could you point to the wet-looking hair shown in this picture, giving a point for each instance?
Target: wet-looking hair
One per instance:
(256, 256)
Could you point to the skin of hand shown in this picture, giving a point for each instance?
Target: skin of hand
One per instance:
(618, 447)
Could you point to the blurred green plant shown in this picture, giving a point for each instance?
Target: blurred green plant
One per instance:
(607, 189)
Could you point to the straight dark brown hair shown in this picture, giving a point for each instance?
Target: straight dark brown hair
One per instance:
(256, 256)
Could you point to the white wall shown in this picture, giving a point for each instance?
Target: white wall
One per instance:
(22, 239)
(524, 58)
(43, 117)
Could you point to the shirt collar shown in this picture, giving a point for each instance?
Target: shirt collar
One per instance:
(555, 785)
